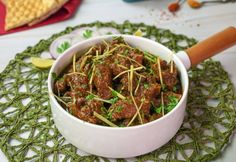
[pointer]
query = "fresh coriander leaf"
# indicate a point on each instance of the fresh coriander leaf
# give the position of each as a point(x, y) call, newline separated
point(126, 52)
point(174, 88)
point(122, 125)
point(59, 50)
point(149, 57)
point(173, 101)
point(104, 110)
point(64, 46)
point(90, 74)
point(159, 109)
point(146, 85)
point(87, 33)
point(110, 112)
point(119, 39)
point(114, 94)
point(151, 72)
point(113, 100)
point(119, 109)
point(90, 97)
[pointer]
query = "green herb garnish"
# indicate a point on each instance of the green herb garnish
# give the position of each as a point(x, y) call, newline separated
point(126, 52)
point(146, 85)
point(87, 33)
point(113, 100)
point(175, 89)
point(117, 94)
point(64, 46)
point(110, 112)
point(119, 109)
point(90, 97)
point(151, 72)
point(173, 101)
point(150, 57)
point(159, 109)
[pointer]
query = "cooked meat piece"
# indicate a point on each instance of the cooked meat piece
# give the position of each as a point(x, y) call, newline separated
point(116, 61)
point(155, 68)
point(146, 104)
point(150, 79)
point(148, 93)
point(95, 105)
point(169, 79)
point(80, 101)
point(83, 64)
point(72, 94)
point(137, 57)
point(78, 83)
point(145, 84)
point(103, 80)
point(164, 65)
point(86, 112)
point(60, 86)
point(156, 102)
point(125, 82)
point(152, 91)
point(72, 107)
point(75, 79)
point(87, 69)
point(123, 110)
point(75, 97)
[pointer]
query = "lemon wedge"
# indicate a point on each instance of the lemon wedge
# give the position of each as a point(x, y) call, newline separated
point(42, 62)
point(138, 33)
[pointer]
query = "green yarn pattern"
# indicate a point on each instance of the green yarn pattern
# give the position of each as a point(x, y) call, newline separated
point(27, 131)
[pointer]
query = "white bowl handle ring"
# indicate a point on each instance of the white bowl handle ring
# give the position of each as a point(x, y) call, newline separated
point(208, 47)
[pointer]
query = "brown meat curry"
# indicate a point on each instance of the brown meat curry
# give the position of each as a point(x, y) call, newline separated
point(116, 84)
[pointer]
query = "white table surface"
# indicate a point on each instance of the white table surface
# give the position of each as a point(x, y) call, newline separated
point(197, 23)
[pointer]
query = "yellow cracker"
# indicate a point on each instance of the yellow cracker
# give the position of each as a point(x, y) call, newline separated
point(21, 12)
point(46, 15)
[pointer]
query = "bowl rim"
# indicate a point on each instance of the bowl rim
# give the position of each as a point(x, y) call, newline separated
point(181, 69)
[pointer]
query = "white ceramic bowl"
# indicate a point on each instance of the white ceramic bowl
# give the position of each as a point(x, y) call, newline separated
point(118, 142)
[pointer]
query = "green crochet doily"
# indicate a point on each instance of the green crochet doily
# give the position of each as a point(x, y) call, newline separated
point(27, 132)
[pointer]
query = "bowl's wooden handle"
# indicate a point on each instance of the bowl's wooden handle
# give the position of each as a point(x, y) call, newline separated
point(211, 46)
